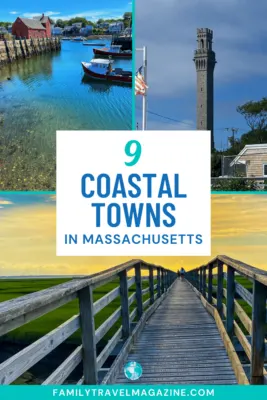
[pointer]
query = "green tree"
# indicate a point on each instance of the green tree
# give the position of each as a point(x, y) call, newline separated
point(60, 23)
point(78, 19)
point(255, 113)
point(127, 19)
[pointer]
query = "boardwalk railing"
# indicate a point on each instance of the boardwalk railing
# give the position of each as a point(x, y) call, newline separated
point(230, 297)
point(17, 312)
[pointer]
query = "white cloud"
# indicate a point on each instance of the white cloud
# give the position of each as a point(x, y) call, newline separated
point(94, 15)
point(47, 13)
point(168, 29)
point(14, 12)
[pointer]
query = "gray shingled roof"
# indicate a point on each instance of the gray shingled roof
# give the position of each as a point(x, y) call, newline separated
point(32, 23)
point(41, 18)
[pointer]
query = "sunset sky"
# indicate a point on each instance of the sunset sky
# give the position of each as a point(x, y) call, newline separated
point(28, 235)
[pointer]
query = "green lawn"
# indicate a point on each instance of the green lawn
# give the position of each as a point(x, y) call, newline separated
point(10, 289)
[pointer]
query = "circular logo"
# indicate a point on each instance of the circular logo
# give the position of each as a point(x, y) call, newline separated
point(133, 370)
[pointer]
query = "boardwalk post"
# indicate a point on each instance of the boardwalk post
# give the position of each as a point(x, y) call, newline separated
point(86, 303)
point(162, 281)
point(197, 279)
point(151, 284)
point(210, 284)
point(220, 288)
point(200, 280)
point(126, 330)
point(258, 332)
point(138, 284)
point(230, 301)
point(204, 282)
point(158, 283)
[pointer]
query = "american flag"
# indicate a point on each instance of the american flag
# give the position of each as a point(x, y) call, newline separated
point(140, 85)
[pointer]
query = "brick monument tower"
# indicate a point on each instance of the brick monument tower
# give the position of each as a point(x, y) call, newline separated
point(205, 61)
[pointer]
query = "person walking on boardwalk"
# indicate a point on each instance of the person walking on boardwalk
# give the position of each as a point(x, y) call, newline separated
point(178, 273)
point(182, 273)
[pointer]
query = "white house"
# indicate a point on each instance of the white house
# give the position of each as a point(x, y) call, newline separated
point(87, 30)
point(56, 31)
point(78, 25)
point(116, 27)
point(254, 158)
point(103, 25)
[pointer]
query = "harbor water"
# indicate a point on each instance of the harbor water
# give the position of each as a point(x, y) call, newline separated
point(49, 92)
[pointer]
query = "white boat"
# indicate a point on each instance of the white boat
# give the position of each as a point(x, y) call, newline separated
point(102, 69)
point(78, 39)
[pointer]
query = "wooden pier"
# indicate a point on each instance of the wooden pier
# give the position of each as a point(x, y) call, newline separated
point(181, 332)
point(181, 344)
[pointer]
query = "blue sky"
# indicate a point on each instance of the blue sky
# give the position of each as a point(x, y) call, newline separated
point(92, 10)
point(168, 29)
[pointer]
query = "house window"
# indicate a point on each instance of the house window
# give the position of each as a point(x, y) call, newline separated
point(264, 169)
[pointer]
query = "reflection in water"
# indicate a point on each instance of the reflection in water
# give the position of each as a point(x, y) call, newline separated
point(46, 93)
point(96, 86)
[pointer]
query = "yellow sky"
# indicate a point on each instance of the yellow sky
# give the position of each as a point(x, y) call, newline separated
point(27, 239)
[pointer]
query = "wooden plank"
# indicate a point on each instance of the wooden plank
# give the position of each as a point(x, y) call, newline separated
point(105, 300)
point(230, 301)
point(86, 304)
point(133, 314)
point(121, 359)
point(22, 361)
point(105, 353)
point(201, 280)
point(132, 298)
point(246, 321)
point(244, 293)
point(151, 285)
point(65, 369)
point(146, 303)
point(80, 381)
point(244, 269)
point(243, 340)
point(204, 282)
point(138, 285)
point(158, 283)
point(11, 309)
point(210, 284)
point(236, 364)
point(171, 347)
point(258, 332)
point(105, 327)
point(146, 290)
point(220, 287)
point(131, 282)
point(32, 315)
point(162, 280)
point(124, 304)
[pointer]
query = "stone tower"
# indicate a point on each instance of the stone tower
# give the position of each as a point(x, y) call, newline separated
point(205, 62)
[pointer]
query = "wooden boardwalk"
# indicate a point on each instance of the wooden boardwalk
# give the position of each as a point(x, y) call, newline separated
point(181, 344)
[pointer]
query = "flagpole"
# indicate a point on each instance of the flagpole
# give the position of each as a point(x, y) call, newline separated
point(144, 124)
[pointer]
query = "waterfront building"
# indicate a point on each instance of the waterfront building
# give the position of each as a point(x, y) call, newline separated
point(87, 30)
point(56, 31)
point(116, 27)
point(37, 27)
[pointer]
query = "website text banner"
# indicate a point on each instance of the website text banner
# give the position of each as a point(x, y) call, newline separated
point(132, 193)
point(133, 392)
